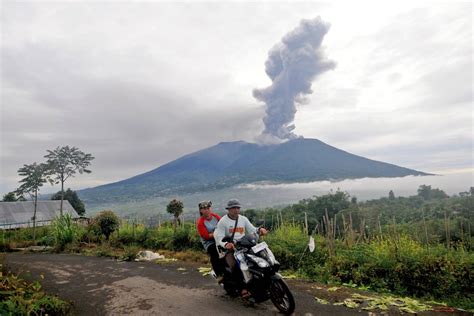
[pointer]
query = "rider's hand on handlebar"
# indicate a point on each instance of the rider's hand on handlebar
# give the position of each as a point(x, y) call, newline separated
point(229, 246)
point(262, 231)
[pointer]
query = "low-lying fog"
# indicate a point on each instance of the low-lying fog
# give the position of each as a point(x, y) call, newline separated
point(266, 195)
point(371, 188)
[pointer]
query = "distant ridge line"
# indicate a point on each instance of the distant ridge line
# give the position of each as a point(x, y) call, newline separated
point(232, 163)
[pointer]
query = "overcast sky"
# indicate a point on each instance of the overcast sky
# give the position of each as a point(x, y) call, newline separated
point(138, 84)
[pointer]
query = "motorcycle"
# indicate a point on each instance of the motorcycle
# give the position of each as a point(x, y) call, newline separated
point(259, 271)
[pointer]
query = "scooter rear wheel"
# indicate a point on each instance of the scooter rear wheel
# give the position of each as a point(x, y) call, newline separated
point(230, 289)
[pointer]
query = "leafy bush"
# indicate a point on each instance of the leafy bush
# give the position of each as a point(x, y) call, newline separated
point(19, 297)
point(288, 243)
point(401, 265)
point(23, 237)
point(64, 230)
point(186, 238)
point(108, 222)
point(160, 238)
point(166, 237)
point(48, 240)
point(90, 234)
point(104, 250)
point(4, 246)
point(130, 253)
point(131, 233)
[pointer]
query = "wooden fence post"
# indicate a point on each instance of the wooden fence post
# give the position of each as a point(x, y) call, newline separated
point(306, 223)
point(329, 232)
point(446, 225)
point(424, 224)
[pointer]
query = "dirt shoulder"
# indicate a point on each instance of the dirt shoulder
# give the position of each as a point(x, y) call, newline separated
point(103, 286)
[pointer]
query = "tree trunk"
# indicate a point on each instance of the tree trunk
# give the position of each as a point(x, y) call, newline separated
point(34, 217)
point(62, 196)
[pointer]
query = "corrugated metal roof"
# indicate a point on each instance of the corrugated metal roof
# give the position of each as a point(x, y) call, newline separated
point(19, 214)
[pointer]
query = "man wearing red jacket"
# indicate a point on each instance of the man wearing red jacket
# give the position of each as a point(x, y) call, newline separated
point(206, 225)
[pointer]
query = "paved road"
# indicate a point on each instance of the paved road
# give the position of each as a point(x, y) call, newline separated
point(102, 286)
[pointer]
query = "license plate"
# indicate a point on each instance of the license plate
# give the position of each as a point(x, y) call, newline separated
point(259, 247)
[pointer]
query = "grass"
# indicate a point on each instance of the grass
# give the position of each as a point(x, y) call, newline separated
point(398, 265)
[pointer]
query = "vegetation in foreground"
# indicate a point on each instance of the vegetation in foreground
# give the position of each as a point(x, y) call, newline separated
point(20, 297)
point(401, 266)
point(422, 250)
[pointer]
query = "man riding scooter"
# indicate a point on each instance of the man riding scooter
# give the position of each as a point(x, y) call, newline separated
point(232, 227)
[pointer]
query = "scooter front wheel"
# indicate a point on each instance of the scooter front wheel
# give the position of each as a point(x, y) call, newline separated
point(281, 297)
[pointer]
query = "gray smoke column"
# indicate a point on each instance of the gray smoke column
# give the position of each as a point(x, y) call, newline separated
point(292, 65)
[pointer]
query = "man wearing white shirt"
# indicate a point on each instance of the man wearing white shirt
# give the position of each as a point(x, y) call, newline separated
point(227, 228)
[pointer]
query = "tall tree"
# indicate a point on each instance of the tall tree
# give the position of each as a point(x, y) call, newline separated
point(72, 197)
point(175, 207)
point(427, 193)
point(35, 175)
point(64, 162)
point(391, 195)
point(9, 197)
point(12, 197)
point(108, 222)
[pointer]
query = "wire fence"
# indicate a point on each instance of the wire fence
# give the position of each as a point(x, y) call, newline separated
point(27, 224)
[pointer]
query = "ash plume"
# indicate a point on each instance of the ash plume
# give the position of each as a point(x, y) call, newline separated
point(292, 65)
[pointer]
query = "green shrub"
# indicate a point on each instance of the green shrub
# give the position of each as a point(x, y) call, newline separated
point(23, 298)
point(108, 222)
point(48, 240)
point(401, 265)
point(160, 238)
point(130, 233)
point(288, 242)
point(4, 246)
point(91, 233)
point(186, 238)
point(130, 253)
point(105, 250)
point(166, 237)
point(23, 237)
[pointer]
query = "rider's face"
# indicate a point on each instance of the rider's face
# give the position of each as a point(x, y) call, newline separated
point(234, 212)
point(206, 212)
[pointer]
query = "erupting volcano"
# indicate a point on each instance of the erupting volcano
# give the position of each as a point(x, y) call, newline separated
point(279, 154)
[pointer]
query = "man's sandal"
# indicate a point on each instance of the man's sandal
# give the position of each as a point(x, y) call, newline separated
point(245, 294)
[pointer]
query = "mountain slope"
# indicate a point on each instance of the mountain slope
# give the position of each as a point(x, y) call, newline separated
point(231, 163)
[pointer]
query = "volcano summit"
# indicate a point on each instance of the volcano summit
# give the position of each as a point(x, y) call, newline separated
point(232, 163)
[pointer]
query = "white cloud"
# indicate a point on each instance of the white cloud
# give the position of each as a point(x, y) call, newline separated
point(138, 84)
point(402, 91)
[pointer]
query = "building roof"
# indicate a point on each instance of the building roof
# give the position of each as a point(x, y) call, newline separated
point(19, 214)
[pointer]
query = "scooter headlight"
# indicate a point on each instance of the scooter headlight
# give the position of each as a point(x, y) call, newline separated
point(262, 263)
point(271, 257)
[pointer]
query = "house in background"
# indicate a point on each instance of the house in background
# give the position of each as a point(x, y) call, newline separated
point(19, 214)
